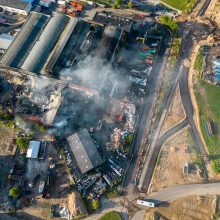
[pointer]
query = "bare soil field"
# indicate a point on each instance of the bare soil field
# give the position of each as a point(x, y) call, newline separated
point(6, 141)
point(189, 208)
point(174, 154)
point(213, 11)
point(175, 113)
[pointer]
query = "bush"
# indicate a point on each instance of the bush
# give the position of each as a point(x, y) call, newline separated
point(118, 3)
point(111, 216)
point(22, 142)
point(95, 205)
point(130, 5)
point(169, 22)
point(14, 192)
point(41, 127)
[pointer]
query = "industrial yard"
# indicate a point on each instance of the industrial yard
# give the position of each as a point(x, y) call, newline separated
point(79, 98)
point(108, 108)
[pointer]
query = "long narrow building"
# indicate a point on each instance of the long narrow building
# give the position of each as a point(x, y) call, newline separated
point(47, 40)
point(24, 41)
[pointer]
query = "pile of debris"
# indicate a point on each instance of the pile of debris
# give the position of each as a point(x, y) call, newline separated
point(116, 138)
point(129, 110)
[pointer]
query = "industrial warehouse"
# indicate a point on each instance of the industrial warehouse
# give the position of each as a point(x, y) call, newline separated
point(59, 44)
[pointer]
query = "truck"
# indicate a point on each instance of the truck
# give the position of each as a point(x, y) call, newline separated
point(41, 187)
point(148, 202)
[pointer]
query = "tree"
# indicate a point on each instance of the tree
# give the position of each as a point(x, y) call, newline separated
point(130, 4)
point(169, 22)
point(118, 3)
point(22, 143)
point(95, 204)
point(14, 192)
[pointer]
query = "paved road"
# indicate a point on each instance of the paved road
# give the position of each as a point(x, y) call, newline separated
point(151, 159)
point(181, 191)
point(204, 8)
point(187, 104)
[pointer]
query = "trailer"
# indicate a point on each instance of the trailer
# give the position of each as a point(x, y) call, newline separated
point(148, 202)
point(41, 187)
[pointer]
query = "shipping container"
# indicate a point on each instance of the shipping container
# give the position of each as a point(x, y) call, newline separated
point(148, 61)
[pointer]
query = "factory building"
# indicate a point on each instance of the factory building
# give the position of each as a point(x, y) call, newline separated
point(22, 7)
point(24, 41)
point(84, 151)
point(45, 43)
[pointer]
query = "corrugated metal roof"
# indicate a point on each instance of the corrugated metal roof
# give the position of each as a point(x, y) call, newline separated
point(41, 50)
point(5, 41)
point(23, 42)
point(18, 4)
point(33, 149)
point(84, 151)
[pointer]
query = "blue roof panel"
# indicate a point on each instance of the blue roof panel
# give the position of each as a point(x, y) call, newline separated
point(29, 1)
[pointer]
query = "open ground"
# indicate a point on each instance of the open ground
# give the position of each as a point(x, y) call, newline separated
point(174, 154)
point(192, 207)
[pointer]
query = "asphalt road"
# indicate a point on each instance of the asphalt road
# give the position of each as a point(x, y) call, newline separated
point(181, 191)
point(187, 104)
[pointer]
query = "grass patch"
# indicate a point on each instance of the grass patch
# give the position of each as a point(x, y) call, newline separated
point(111, 216)
point(199, 63)
point(209, 110)
point(183, 5)
point(159, 158)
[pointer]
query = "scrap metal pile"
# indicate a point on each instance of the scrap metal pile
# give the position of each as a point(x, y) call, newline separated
point(127, 124)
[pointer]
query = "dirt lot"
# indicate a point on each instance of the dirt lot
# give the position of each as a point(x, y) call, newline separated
point(6, 141)
point(192, 207)
point(7, 151)
point(213, 11)
point(175, 113)
point(174, 154)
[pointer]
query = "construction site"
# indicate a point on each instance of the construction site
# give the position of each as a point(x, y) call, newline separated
point(81, 84)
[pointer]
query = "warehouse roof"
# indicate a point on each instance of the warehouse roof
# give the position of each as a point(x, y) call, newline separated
point(5, 41)
point(18, 4)
point(33, 149)
point(47, 40)
point(25, 39)
point(84, 151)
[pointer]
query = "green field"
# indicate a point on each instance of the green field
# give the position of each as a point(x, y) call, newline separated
point(183, 5)
point(111, 216)
point(208, 100)
point(199, 63)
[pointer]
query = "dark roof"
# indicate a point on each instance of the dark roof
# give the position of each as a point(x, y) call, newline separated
point(18, 4)
point(84, 151)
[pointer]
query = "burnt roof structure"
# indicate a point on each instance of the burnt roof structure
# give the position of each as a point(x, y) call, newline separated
point(18, 4)
point(84, 151)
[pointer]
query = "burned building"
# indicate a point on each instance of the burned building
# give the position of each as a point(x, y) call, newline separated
point(84, 151)
point(70, 49)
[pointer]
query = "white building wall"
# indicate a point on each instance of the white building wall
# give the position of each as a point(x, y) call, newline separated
point(14, 10)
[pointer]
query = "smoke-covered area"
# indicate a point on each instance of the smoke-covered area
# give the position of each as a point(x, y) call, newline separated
point(90, 72)
point(77, 111)
point(92, 64)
